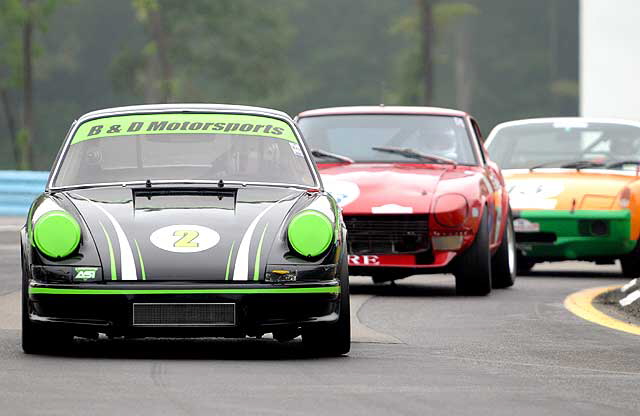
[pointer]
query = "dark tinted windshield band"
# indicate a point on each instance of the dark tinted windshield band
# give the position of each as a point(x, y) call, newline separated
point(147, 124)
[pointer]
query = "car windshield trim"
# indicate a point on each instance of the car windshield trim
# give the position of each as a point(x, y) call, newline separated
point(321, 128)
point(403, 162)
point(588, 144)
point(180, 182)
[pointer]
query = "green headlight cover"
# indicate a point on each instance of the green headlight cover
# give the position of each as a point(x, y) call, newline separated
point(56, 234)
point(310, 233)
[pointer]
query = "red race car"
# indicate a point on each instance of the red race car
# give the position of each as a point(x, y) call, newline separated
point(418, 193)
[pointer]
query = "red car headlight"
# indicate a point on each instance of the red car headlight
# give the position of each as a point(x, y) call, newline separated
point(451, 210)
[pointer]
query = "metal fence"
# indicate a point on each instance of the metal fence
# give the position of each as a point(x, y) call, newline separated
point(18, 189)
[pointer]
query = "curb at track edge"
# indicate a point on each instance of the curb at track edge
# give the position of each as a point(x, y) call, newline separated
point(581, 304)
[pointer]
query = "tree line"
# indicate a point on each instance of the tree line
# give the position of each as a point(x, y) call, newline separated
point(498, 59)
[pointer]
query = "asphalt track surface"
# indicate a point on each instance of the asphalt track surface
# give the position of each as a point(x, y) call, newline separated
point(418, 350)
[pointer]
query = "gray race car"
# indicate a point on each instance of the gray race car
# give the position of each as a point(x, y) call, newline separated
point(184, 221)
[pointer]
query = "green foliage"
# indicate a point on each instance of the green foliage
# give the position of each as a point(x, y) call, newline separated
point(22, 142)
point(516, 68)
point(343, 53)
point(14, 15)
point(222, 51)
point(565, 88)
point(288, 54)
point(144, 7)
point(448, 13)
point(446, 16)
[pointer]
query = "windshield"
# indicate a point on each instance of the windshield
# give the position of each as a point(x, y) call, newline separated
point(184, 147)
point(570, 144)
point(358, 136)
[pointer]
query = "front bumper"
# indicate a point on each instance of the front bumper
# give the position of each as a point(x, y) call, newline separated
point(437, 262)
point(108, 307)
point(575, 235)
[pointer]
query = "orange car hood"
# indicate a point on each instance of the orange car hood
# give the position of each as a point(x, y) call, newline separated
point(566, 189)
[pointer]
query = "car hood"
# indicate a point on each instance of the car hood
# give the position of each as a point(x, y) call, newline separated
point(565, 189)
point(362, 189)
point(184, 234)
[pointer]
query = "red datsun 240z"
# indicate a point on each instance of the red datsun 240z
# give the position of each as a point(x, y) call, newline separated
point(418, 193)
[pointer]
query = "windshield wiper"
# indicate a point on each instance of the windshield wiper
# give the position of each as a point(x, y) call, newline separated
point(415, 154)
point(578, 164)
point(581, 164)
point(324, 153)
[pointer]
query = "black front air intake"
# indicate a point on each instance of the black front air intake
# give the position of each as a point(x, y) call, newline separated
point(387, 234)
point(536, 237)
point(184, 314)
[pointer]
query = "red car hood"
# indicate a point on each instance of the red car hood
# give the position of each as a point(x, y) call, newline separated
point(363, 188)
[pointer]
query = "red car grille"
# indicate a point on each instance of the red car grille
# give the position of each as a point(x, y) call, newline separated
point(387, 234)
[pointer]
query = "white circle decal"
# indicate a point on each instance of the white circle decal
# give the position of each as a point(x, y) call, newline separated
point(534, 194)
point(184, 238)
point(344, 192)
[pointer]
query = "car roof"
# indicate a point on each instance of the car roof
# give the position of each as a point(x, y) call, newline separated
point(383, 109)
point(543, 120)
point(568, 120)
point(151, 108)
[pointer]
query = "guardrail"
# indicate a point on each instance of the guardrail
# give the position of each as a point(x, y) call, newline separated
point(18, 189)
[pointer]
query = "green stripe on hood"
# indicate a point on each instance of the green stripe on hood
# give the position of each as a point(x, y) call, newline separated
point(256, 267)
point(112, 259)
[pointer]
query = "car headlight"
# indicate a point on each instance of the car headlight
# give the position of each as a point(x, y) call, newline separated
point(56, 234)
point(451, 210)
point(310, 233)
point(625, 198)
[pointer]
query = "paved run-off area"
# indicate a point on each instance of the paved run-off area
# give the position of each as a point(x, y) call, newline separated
point(418, 350)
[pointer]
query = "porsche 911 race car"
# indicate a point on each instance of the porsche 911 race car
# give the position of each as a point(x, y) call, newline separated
point(575, 189)
point(418, 193)
point(185, 221)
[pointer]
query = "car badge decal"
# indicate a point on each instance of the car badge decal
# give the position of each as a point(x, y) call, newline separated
point(85, 273)
point(534, 194)
point(297, 151)
point(344, 192)
point(184, 238)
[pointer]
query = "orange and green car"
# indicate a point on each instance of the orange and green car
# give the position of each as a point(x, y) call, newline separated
point(574, 186)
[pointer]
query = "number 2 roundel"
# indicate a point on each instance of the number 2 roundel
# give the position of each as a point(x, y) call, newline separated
point(184, 238)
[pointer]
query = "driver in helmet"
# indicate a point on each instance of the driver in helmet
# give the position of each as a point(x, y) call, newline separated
point(624, 148)
point(439, 142)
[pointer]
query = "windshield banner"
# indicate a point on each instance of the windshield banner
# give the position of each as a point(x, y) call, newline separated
point(144, 124)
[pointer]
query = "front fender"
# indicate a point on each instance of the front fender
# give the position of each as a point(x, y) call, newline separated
point(85, 256)
point(281, 253)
